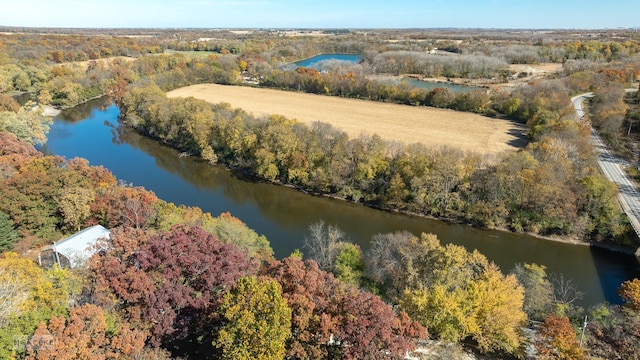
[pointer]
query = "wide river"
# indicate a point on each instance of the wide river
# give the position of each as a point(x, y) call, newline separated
point(282, 214)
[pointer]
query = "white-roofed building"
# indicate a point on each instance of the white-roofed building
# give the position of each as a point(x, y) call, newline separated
point(74, 250)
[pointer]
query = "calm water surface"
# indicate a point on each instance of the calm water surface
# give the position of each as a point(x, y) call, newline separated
point(283, 215)
point(313, 61)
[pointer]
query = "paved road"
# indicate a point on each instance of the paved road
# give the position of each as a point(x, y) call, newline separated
point(612, 167)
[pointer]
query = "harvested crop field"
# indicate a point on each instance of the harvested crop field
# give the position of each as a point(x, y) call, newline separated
point(408, 124)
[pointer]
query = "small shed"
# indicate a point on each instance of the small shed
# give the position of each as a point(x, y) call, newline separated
point(74, 250)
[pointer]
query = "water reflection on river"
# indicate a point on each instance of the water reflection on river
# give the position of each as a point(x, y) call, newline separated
point(283, 214)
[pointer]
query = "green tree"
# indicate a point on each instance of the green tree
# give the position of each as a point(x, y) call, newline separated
point(349, 265)
point(257, 321)
point(8, 234)
point(538, 290)
point(34, 295)
point(230, 229)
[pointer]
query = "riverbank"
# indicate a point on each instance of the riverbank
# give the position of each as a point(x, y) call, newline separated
point(570, 240)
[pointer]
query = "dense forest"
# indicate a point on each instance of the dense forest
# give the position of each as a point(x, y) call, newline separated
point(225, 295)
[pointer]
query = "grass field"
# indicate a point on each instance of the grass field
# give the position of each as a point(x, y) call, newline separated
point(408, 124)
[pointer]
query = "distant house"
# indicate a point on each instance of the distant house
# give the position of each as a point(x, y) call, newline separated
point(75, 250)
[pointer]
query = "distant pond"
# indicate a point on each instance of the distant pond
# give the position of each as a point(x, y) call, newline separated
point(316, 61)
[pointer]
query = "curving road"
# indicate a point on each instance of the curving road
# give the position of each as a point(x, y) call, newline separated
point(612, 167)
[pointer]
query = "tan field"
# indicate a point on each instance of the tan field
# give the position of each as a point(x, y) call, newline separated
point(106, 61)
point(403, 123)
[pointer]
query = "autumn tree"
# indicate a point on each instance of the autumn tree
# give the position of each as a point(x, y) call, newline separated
point(556, 339)
point(257, 321)
point(454, 293)
point(88, 333)
point(630, 292)
point(29, 295)
point(32, 197)
point(116, 205)
point(172, 283)
point(75, 205)
point(8, 103)
point(608, 109)
point(26, 124)
point(319, 302)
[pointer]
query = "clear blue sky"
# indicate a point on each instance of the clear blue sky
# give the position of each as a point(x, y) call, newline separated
point(565, 14)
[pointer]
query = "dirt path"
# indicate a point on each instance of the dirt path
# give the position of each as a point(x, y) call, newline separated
point(408, 124)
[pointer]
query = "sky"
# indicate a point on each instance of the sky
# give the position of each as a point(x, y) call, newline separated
point(500, 14)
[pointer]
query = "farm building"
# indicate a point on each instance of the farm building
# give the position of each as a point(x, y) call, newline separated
point(74, 250)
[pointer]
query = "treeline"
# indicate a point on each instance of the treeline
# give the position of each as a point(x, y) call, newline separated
point(42, 49)
point(549, 188)
point(430, 65)
point(545, 51)
point(357, 85)
point(61, 85)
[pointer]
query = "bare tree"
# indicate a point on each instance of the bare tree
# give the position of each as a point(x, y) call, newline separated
point(323, 243)
point(564, 290)
point(387, 259)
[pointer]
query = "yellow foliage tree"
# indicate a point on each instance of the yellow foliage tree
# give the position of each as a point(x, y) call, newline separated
point(32, 295)
point(258, 321)
point(458, 294)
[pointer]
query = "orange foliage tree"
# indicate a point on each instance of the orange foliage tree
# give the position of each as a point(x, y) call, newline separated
point(88, 334)
point(557, 340)
point(630, 292)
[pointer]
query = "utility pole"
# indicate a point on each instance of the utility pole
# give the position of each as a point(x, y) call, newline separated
point(584, 327)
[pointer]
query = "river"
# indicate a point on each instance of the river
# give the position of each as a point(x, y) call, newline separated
point(282, 214)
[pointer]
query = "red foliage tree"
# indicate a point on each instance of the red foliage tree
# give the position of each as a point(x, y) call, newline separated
point(121, 205)
point(14, 152)
point(174, 282)
point(322, 306)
